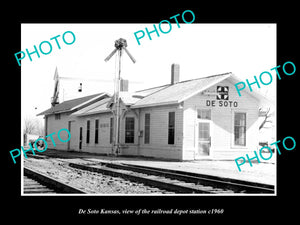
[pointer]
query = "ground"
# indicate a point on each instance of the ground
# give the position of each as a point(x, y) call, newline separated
point(264, 172)
point(89, 182)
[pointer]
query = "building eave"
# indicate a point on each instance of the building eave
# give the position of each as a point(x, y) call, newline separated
point(92, 113)
point(74, 108)
point(204, 88)
point(91, 100)
point(154, 104)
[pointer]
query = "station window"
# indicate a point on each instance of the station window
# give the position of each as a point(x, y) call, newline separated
point(204, 114)
point(129, 130)
point(87, 131)
point(111, 130)
point(240, 129)
point(96, 131)
point(57, 116)
point(147, 128)
point(171, 128)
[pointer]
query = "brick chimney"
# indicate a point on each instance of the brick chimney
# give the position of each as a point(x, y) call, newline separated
point(174, 73)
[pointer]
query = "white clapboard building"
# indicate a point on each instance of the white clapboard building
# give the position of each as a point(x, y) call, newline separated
point(182, 120)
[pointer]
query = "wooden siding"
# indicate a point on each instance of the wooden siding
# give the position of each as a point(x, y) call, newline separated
point(158, 145)
point(103, 146)
point(53, 126)
point(222, 127)
point(222, 123)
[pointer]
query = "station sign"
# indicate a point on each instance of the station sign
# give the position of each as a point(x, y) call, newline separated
point(222, 98)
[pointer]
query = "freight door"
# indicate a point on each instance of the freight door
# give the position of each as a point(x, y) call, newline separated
point(72, 143)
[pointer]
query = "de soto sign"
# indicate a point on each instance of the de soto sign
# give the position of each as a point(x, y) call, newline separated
point(222, 98)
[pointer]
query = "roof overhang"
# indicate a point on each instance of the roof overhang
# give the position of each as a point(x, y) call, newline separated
point(186, 97)
point(90, 113)
point(155, 104)
point(206, 87)
point(75, 107)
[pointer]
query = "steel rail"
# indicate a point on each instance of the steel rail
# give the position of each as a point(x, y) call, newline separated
point(51, 183)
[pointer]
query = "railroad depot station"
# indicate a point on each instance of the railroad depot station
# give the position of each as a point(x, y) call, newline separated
point(182, 120)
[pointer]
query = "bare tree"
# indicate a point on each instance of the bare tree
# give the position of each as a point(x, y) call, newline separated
point(33, 126)
point(40, 128)
point(29, 126)
point(267, 117)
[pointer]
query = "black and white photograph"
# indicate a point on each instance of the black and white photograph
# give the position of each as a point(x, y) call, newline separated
point(156, 113)
point(118, 115)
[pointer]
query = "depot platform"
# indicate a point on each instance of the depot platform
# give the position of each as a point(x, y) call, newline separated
point(264, 172)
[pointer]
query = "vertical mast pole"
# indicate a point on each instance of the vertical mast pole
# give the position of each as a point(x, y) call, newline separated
point(117, 140)
point(120, 44)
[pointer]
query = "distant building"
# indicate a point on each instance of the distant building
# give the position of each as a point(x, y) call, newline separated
point(183, 120)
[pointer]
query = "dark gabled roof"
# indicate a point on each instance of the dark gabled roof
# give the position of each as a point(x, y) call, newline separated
point(70, 104)
point(97, 107)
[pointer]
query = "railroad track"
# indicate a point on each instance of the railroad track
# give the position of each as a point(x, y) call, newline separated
point(37, 183)
point(176, 181)
point(31, 186)
point(238, 186)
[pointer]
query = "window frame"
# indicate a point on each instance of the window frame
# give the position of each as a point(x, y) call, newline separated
point(129, 139)
point(96, 131)
point(57, 116)
point(88, 127)
point(203, 110)
point(239, 126)
point(147, 128)
point(171, 128)
point(111, 130)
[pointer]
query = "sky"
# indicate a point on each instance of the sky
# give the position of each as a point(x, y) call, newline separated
point(201, 50)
